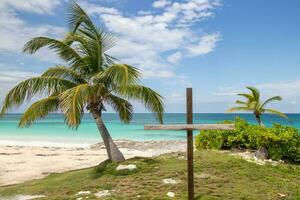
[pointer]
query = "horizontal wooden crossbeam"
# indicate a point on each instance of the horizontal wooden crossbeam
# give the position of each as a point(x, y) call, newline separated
point(189, 127)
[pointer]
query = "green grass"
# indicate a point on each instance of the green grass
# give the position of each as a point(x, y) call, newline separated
point(230, 178)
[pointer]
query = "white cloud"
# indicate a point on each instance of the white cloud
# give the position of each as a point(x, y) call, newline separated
point(15, 32)
point(92, 9)
point(161, 3)
point(15, 76)
point(142, 12)
point(191, 11)
point(286, 89)
point(206, 44)
point(142, 39)
point(34, 6)
point(175, 57)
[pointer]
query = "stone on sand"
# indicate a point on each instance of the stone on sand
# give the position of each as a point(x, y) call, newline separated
point(171, 194)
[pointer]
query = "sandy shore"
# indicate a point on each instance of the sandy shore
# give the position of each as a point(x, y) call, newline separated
point(23, 163)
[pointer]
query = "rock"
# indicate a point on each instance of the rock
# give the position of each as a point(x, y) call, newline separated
point(171, 194)
point(261, 153)
point(128, 167)
point(169, 181)
point(281, 195)
point(83, 192)
point(251, 157)
point(102, 193)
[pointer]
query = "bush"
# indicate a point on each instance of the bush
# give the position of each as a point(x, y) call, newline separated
point(282, 142)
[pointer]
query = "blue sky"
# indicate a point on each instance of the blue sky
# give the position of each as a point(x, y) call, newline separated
point(218, 47)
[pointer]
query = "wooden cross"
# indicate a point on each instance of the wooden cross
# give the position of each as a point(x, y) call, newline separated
point(189, 127)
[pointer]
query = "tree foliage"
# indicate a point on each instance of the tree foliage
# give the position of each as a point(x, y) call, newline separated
point(282, 142)
point(89, 79)
point(254, 104)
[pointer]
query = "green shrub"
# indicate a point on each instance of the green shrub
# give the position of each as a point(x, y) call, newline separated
point(282, 142)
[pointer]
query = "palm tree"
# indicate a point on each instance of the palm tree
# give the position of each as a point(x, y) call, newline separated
point(88, 80)
point(253, 103)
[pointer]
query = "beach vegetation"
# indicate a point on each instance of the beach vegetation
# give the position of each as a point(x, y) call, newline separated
point(88, 80)
point(281, 142)
point(254, 104)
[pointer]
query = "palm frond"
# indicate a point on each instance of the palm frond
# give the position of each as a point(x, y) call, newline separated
point(249, 97)
point(98, 41)
point(240, 102)
point(85, 68)
point(98, 47)
point(72, 103)
point(276, 112)
point(77, 17)
point(64, 73)
point(39, 110)
point(120, 75)
point(81, 43)
point(255, 93)
point(109, 60)
point(121, 106)
point(30, 87)
point(254, 105)
point(107, 41)
point(238, 108)
point(151, 99)
point(275, 98)
point(64, 51)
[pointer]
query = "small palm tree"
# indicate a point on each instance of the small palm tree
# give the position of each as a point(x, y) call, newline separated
point(89, 80)
point(253, 103)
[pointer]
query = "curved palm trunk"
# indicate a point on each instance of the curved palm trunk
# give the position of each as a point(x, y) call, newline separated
point(113, 152)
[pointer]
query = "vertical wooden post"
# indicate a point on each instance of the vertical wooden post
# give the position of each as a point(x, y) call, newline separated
point(190, 145)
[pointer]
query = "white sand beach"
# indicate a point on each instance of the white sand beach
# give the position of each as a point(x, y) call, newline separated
point(23, 163)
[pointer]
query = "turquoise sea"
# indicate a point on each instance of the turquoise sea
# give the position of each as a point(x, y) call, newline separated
point(53, 129)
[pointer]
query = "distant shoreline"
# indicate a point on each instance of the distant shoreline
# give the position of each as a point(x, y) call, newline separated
point(69, 144)
point(43, 143)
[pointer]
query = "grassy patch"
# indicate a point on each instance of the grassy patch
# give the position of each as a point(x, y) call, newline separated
point(226, 177)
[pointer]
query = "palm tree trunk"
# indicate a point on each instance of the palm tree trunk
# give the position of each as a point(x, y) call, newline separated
point(113, 152)
point(258, 119)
